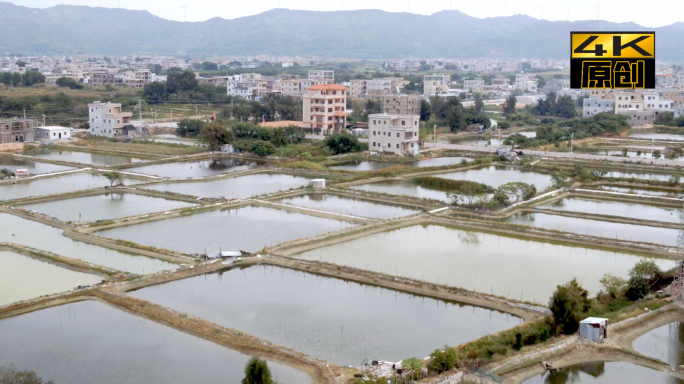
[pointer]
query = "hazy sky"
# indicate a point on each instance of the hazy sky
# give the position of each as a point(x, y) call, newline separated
point(650, 13)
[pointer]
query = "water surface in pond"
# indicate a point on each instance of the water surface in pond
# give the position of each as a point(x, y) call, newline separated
point(633, 175)
point(349, 205)
point(105, 207)
point(336, 320)
point(24, 278)
point(504, 266)
point(89, 342)
point(81, 157)
point(616, 208)
point(496, 176)
point(248, 229)
point(34, 168)
point(236, 187)
point(600, 372)
point(375, 165)
point(174, 139)
point(403, 187)
point(657, 136)
point(643, 233)
point(665, 343)
point(204, 168)
point(30, 233)
point(54, 185)
point(640, 191)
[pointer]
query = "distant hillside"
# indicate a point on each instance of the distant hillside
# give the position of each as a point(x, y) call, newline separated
point(371, 34)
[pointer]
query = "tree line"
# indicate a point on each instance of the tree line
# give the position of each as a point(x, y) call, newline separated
point(26, 79)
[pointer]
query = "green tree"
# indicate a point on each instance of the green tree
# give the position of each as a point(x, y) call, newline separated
point(519, 190)
point(155, 68)
point(559, 179)
point(614, 285)
point(9, 375)
point(263, 148)
point(114, 177)
point(478, 107)
point(637, 288)
point(215, 135)
point(257, 372)
point(569, 304)
point(343, 143)
point(509, 105)
point(674, 181)
point(443, 360)
point(189, 127)
point(414, 364)
point(209, 66)
point(646, 269)
point(155, 92)
point(68, 82)
point(29, 78)
point(181, 82)
point(657, 154)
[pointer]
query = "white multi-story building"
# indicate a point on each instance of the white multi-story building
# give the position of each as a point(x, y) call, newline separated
point(393, 133)
point(433, 85)
point(591, 107)
point(373, 87)
point(526, 82)
point(107, 119)
point(469, 84)
point(325, 75)
point(325, 108)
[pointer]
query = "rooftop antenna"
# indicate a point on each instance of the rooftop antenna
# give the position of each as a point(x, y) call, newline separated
point(185, 11)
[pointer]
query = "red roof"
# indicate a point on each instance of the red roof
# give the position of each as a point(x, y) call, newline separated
point(327, 87)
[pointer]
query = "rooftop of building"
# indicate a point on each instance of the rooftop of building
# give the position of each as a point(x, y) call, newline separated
point(327, 87)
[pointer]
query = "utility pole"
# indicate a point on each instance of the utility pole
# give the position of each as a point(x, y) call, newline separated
point(572, 136)
point(434, 136)
point(139, 109)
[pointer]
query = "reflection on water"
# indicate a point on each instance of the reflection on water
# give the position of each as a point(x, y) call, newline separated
point(643, 233)
point(55, 185)
point(23, 278)
point(599, 372)
point(30, 233)
point(665, 343)
point(403, 187)
point(616, 208)
point(632, 175)
point(90, 342)
point(203, 168)
point(496, 176)
point(349, 205)
point(248, 229)
point(336, 320)
point(375, 165)
point(105, 207)
point(237, 187)
point(478, 261)
point(34, 168)
point(81, 157)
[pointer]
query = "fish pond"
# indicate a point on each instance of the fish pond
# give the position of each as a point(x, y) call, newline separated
point(54, 185)
point(403, 188)
point(249, 229)
point(349, 206)
point(657, 136)
point(505, 266)
point(204, 168)
point(91, 342)
point(14, 229)
point(601, 372)
point(105, 207)
point(631, 232)
point(235, 187)
point(616, 208)
point(81, 157)
point(375, 165)
point(496, 176)
point(336, 320)
point(24, 278)
point(34, 167)
point(665, 343)
point(640, 191)
point(642, 176)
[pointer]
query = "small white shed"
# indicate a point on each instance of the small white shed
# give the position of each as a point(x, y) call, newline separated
point(594, 328)
point(317, 183)
point(51, 133)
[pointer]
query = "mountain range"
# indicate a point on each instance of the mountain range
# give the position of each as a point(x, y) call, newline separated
point(360, 34)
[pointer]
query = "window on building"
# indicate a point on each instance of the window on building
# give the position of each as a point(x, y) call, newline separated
point(397, 146)
point(403, 122)
point(397, 134)
point(389, 145)
point(374, 143)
